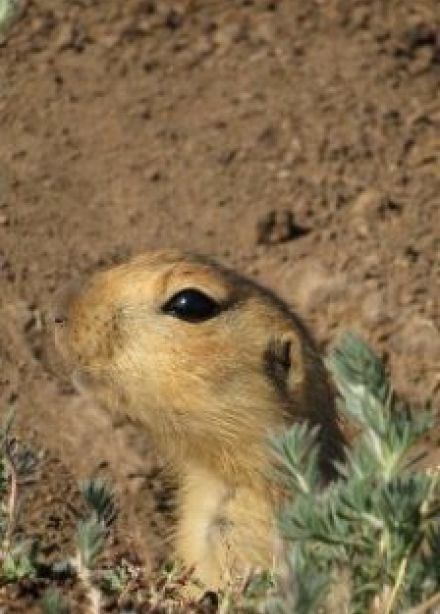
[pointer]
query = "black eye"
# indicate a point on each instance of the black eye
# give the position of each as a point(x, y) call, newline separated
point(191, 305)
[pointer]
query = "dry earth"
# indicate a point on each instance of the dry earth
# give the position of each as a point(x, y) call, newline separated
point(297, 141)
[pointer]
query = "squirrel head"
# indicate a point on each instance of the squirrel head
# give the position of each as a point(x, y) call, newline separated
point(189, 348)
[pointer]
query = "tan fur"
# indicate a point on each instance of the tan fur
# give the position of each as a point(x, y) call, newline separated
point(209, 393)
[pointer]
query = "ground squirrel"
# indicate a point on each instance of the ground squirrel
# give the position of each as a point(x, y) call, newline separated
point(211, 364)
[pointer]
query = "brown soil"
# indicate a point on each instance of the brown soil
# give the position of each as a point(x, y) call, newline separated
point(297, 141)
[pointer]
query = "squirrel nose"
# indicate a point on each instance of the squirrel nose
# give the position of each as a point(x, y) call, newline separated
point(62, 302)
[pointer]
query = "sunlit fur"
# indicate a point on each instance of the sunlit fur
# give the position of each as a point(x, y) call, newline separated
point(209, 393)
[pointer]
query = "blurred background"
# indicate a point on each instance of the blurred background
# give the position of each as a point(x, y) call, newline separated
point(296, 141)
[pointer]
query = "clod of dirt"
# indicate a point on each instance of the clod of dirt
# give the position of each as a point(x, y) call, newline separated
point(71, 36)
point(318, 287)
point(310, 285)
point(368, 202)
point(228, 34)
point(419, 337)
point(374, 309)
point(174, 19)
point(423, 35)
point(367, 207)
point(423, 59)
point(278, 226)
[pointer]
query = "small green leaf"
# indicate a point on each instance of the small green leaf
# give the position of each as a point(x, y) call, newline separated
point(90, 537)
point(53, 602)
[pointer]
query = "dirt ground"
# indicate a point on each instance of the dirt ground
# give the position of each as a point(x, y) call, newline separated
point(296, 141)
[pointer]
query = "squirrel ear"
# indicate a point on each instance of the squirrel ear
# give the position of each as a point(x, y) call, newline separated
point(290, 364)
point(284, 361)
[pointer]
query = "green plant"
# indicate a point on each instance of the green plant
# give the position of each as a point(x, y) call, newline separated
point(53, 603)
point(369, 541)
point(9, 10)
point(91, 534)
point(18, 557)
point(116, 579)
